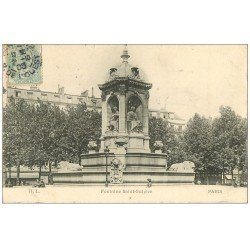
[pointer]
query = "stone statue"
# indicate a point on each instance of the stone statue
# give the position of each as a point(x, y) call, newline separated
point(186, 166)
point(132, 120)
point(135, 73)
point(112, 73)
point(114, 120)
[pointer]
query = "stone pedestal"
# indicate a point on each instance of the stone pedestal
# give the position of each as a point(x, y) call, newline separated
point(120, 154)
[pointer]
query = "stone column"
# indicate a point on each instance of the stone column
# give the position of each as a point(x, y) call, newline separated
point(145, 114)
point(145, 122)
point(122, 110)
point(104, 114)
point(104, 120)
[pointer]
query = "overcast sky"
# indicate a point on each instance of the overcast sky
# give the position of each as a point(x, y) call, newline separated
point(186, 79)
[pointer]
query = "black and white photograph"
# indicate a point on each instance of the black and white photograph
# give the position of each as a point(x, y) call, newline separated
point(124, 123)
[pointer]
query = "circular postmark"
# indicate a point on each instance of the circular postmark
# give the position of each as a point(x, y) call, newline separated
point(24, 64)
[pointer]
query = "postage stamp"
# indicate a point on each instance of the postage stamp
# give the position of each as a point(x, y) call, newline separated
point(23, 64)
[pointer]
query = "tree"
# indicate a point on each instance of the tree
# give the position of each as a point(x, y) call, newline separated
point(230, 141)
point(47, 129)
point(198, 144)
point(83, 125)
point(217, 145)
point(27, 133)
point(176, 151)
point(40, 133)
point(159, 130)
point(15, 134)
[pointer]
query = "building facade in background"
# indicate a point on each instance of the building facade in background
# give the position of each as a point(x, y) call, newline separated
point(63, 99)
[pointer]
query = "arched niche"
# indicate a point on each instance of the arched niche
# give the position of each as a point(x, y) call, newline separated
point(134, 113)
point(113, 113)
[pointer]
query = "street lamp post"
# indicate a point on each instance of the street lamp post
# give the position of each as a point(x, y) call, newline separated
point(106, 150)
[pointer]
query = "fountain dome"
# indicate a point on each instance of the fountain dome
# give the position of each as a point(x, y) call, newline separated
point(126, 70)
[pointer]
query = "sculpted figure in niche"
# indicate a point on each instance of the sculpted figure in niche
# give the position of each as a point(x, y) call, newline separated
point(133, 123)
point(114, 120)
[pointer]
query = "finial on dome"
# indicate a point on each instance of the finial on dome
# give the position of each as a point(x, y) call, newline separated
point(125, 56)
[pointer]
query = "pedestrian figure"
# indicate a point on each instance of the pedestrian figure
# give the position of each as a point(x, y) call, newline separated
point(149, 184)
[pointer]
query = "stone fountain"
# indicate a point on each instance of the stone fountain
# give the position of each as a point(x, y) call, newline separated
point(125, 138)
point(125, 98)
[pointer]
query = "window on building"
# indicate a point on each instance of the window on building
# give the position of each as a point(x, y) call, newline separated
point(17, 93)
point(69, 100)
point(179, 128)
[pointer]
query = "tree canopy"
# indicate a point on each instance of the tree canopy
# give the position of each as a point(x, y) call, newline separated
point(217, 145)
point(34, 134)
point(159, 130)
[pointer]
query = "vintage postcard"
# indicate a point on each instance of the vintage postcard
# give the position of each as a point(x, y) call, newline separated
point(124, 123)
